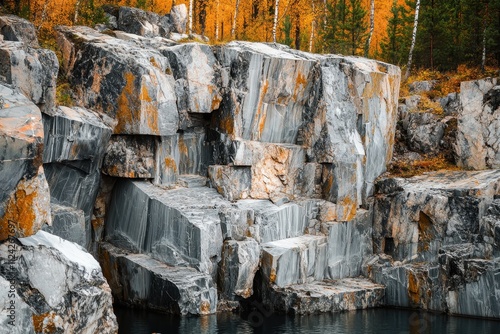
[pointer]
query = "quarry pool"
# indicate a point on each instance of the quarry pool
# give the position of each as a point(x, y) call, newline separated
point(381, 320)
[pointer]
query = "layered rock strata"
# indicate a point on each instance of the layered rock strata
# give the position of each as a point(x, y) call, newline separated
point(437, 243)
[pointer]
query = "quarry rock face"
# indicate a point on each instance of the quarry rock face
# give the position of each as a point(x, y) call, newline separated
point(33, 71)
point(58, 286)
point(436, 239)
point(24, 195)
point(204, 177)
point(143, 23)
point(16, 29)
point(127, 83)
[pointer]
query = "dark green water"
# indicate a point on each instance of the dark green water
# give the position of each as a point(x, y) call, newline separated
point(383, 320)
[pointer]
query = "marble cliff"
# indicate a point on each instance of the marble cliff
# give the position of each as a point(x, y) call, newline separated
point(204, 178)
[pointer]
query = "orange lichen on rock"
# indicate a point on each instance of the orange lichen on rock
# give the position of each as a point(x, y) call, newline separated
point(149, 110)
point(127, 105)
point(170, 164)
point(27, 209)
point(300, 84)
point(44, 323)
point(19, 214)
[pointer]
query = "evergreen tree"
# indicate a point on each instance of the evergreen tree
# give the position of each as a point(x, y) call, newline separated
point(287, 30)
point(395, 45)
point(346, 27)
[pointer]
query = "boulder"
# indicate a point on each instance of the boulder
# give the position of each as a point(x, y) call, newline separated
point(14, 28)
point(325, 296)
point(57, 287)
point(126, 82)
point(75, 136)
point(450, 103)
point(141, 281)
point(240, 261)
point(24, 193)
point(349, 244)
point(69, 224)
point(130, 157)
point(477, 146)
point(32, 70)
point(415, 217)
point(263, 84)
point(353, 127)
point(179, 18)
point(424, 132)
point(197, 79)
point(143, 23)
point(418, 87)
point(294, 261)
point(147, 219)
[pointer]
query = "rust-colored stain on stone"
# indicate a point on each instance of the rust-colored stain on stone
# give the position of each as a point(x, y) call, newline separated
point(126, 105)
point(260, 115)
point(151, 110)
point(300, 84)
point(216, 100)
point(348, 209)
point(425, 232)
point(205, 307)
point(413, 288)
point(170, 164)
point(134, 104)
point(19, 212)
point(44, 323)
point(272, 276)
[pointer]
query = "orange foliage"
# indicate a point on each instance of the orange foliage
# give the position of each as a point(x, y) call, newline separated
point(254, 21)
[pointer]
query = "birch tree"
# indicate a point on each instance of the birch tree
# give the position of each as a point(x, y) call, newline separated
point(413, 40)
point(77, 9)
point(275, 24)
point(217, 4)
point(235, 17)
point(190, 17)
point(372, 27)
point(313, 24)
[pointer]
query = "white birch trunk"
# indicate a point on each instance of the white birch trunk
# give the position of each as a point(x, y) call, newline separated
point(313, 24)
point(483, 58)
point(77, 9)
point(311, 38)
point(233, 28)
point(413, 40)
point(190, 17)
point(275, 25)
point(372, 27)
point(217, 20)
point(325, 14)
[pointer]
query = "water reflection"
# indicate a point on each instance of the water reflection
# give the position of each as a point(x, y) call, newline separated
point(387, 321)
